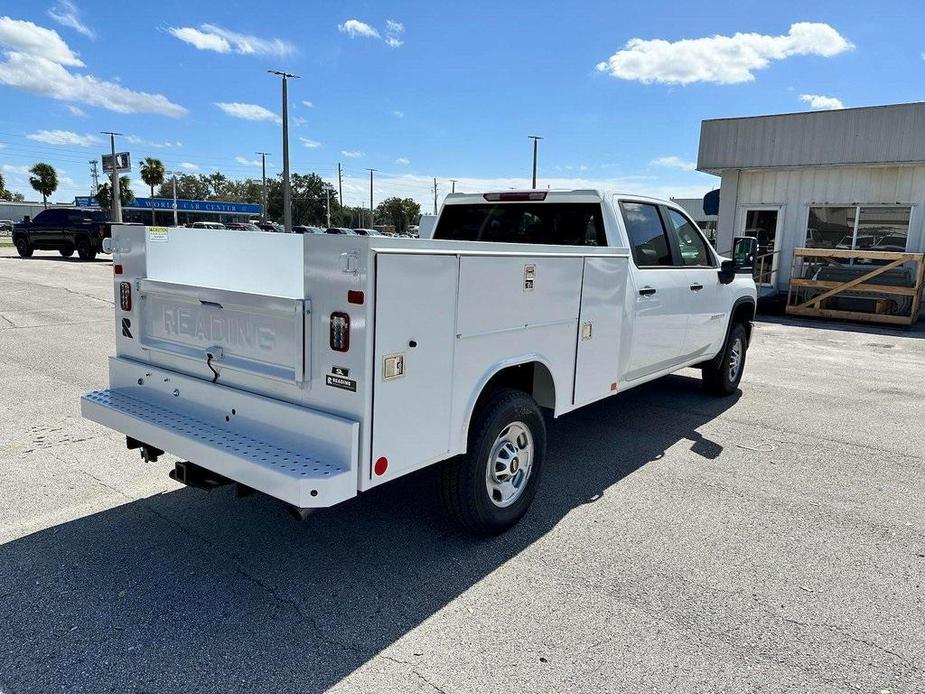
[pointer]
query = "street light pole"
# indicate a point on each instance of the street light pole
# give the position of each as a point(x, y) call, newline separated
point(454, 182)
point(173, 178)
point(116, 206)
point(328, 191)
point(371, 219)
point(263, 164)
point(287, 202)
point(536, 139)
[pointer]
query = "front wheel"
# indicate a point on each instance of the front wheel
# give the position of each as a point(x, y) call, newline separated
point(722, 377)
point(489, 488)
point(23, 248)
point(66, 252)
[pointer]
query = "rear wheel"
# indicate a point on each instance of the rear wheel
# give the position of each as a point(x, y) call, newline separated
point(489, 488)
point(66, 252)
point(722, 377)
point(23, 248)
point(84, 250)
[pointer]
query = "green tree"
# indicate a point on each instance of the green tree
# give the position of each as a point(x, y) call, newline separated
point(400, 212)
point(44, 180)
point(152, 173)
point(309, 195)
point(104, 194)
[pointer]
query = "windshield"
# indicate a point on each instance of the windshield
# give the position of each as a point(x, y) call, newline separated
point(565, 223)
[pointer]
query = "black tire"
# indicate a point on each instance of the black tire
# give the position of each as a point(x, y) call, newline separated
point(84, 250)
point(720, 378)
point(23, 248)
point(464, 480)
point(66, 252)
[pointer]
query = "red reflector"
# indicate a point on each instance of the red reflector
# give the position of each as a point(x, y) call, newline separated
point(340, 332)
point(117, 269)
point(125, 296)
point(517, 196)
point(355, 296)
point(382, 464)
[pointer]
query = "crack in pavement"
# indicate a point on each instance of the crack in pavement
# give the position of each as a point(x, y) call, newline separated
point(414, 671)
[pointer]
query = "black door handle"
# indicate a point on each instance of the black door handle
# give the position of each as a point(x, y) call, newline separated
point(647, 291)
point(696, 287)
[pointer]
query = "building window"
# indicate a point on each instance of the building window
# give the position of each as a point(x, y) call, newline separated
point(870, 228)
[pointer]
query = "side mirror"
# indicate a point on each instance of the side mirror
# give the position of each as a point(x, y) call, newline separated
point(744, 250)
point(107, 245)
point(727, 271)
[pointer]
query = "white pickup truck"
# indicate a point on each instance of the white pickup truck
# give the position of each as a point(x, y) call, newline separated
point(314, 367)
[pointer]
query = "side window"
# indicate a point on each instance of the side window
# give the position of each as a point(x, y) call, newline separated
point(690, 243)
point(646, 234)
point(45, 217)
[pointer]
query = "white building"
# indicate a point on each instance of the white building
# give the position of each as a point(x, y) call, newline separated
point(852, 178)
point(694, 209)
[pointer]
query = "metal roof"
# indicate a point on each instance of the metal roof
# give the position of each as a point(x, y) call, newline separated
point(893, 134)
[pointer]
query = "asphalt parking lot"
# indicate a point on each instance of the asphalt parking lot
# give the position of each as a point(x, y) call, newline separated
point(772, 541)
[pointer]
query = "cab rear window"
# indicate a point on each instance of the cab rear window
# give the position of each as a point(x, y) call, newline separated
point(566, 223)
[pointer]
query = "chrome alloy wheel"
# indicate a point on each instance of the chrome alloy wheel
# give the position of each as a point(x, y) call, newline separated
point(735, 359)
point(509, 465)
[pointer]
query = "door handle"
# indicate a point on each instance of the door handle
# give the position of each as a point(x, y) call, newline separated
point(647, 291)
point(696, 287)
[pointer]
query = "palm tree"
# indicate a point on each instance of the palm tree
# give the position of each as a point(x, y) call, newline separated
point(44, 180)
point(152, 173)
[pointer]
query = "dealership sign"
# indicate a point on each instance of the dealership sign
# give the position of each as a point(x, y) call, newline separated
point(205, 206)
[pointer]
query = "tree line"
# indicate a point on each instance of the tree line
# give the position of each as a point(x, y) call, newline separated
point(309, 195)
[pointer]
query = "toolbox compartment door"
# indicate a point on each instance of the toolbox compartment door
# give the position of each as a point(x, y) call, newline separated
point(413, 365)
point(252, 333)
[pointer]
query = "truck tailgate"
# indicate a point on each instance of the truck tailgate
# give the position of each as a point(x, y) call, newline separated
point(254, 333)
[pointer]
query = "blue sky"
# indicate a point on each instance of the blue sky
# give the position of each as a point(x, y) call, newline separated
point(430, 89)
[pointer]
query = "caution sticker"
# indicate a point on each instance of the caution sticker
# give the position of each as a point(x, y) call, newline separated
point(159, 234)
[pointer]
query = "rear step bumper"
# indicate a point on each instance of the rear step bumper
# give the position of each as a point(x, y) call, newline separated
point(301, 456)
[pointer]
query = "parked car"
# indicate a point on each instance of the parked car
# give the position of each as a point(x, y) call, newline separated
point(367, 232)
point(270, 226)
point(242, 226)
point(302, 229)
point(207, 225)
point(523, 302)
point(6, 225)
point(65, 230)
point(339, 230)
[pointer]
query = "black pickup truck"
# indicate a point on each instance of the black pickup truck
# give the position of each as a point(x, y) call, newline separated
point(64, 230)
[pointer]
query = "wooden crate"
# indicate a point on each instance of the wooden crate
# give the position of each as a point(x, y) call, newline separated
point(817, 306)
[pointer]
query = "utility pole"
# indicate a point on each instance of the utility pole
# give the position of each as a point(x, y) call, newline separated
point(340, 185)
point(94, 175)
point(536, 139)
point(454, 182)
point(435, 196)
point(328, 191)
point(173, 178)
point(371, 220)
point(287, 202)
point(263, 164)
point(116, 206)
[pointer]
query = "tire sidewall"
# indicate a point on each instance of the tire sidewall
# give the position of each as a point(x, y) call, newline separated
point(738, 331)
point(84, 250)
point(504, 412)
point(23, 247)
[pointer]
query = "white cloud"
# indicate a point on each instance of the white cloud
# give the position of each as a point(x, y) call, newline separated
point(200, 39)
point(354, 28)
point(26, 38)
point(188, 166)
point(247, 162)
point(671, 162)
point(817, 102)
point(719, 59)
point(76, 111)
point(298, 121)
point(308, 104)
point(63, 137)
point(166, 144)
point(311, 144)
point(403, 161)
point(248, 111)
point(351, 153)
point(67, 14)
point(15, 170)
point(393, 32)
point(37, 60)
point(211, 37)
point(398, 114)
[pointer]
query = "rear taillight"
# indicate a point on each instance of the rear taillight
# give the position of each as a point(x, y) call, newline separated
point(518, 196)
point(340, 332)
point(125, 296)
